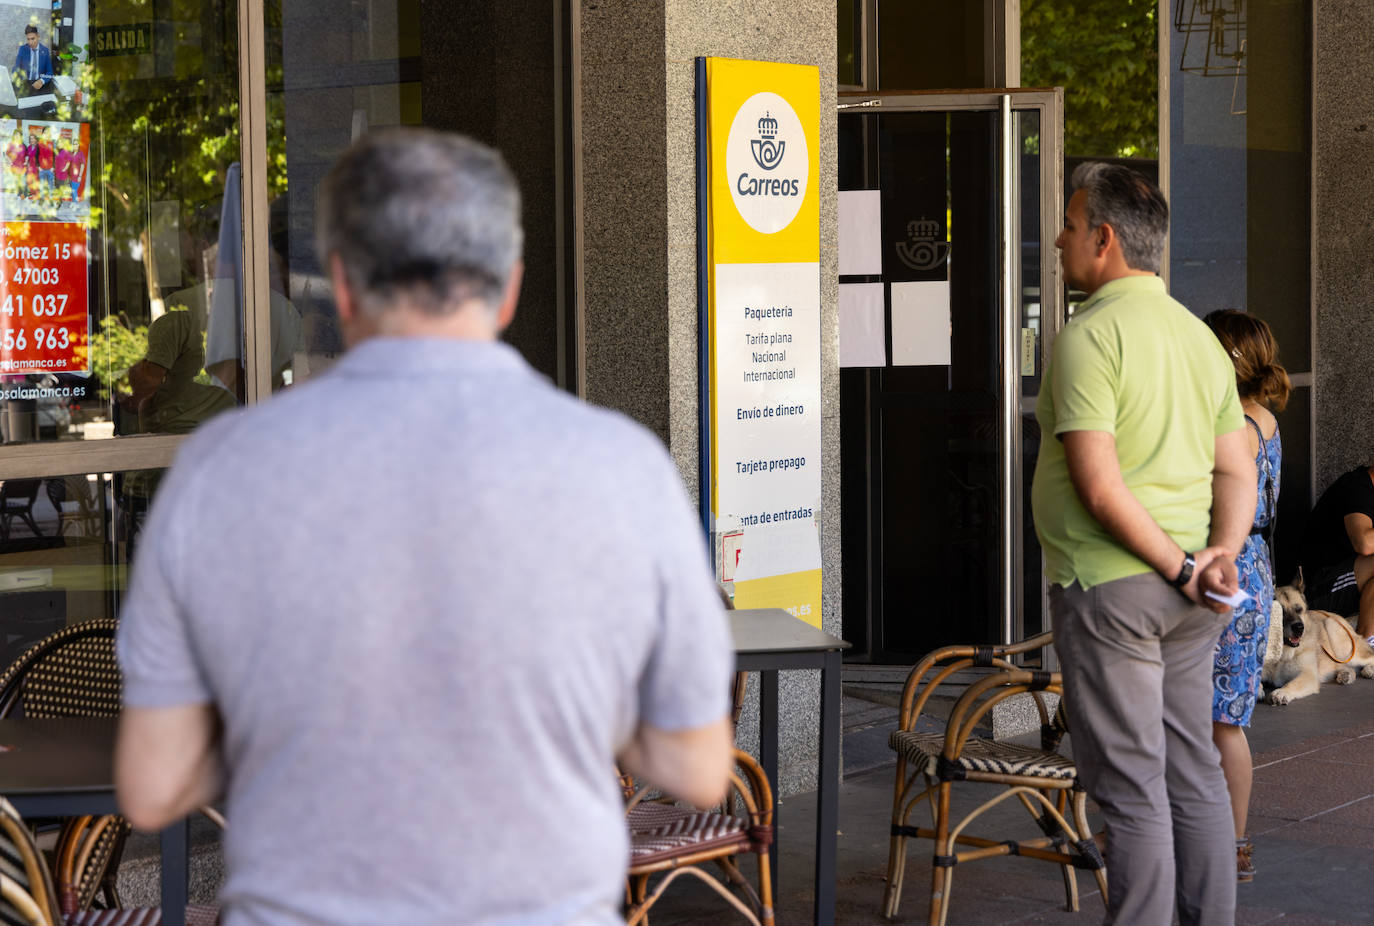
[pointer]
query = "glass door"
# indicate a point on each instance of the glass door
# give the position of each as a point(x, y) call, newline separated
point(950, 203)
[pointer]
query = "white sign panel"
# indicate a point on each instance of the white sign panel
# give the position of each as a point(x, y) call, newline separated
point(768, 373)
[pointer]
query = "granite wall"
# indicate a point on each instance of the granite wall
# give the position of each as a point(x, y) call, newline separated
point(639, 249)
point(1343, 235)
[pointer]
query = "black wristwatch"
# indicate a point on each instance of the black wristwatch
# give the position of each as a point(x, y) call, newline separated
point(1185, 572)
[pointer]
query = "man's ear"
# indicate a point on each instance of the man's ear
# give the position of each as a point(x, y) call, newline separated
point(1105, 236)
point(354, 325)
point(506, 313)
point(344, 301)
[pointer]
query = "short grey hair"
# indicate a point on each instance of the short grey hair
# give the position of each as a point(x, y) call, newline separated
point(1131, 204)
point(429, 217)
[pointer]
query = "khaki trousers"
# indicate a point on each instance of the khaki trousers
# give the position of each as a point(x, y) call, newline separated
point(1136, 658)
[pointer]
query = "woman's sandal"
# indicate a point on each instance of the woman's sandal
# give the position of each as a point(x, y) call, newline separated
point(1245, 868)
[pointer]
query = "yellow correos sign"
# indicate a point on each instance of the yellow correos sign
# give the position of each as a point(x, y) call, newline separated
point(763, 293)
point(747, 100)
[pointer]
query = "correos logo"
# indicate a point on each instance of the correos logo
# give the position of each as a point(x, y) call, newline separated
point(767, 162)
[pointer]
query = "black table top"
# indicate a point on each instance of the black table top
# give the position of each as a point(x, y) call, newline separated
point(57, 756)
point(773, 630)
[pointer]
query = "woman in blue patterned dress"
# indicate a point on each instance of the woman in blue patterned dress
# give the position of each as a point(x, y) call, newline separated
point(1262, 384)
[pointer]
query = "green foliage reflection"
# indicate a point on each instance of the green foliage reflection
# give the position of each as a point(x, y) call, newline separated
point(1105, 54)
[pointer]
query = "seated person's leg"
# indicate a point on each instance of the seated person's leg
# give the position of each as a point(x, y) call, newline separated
point(1334, 588)
point(1364, 571)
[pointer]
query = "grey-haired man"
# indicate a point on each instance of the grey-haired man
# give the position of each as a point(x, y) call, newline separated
point(1144, 460)
point(407, 614)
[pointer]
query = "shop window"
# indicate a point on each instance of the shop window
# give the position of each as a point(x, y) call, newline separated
point(332, 75)
point(1240, 193)
point(66, 544)
point(120, 293)
point(138, 299)
point(1104, 53)
point(849, 43)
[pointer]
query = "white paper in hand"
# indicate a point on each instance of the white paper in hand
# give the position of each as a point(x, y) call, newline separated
point(1235, 601)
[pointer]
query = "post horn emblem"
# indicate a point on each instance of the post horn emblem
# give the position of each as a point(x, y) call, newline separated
point(924, 249)
point(767, 150)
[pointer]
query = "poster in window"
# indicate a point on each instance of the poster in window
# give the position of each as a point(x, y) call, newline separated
point(45, 197)
point(44, 326)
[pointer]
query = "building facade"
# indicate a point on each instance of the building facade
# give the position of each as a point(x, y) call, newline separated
point(195, 133)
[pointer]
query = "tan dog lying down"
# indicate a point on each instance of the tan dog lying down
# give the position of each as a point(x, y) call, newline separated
point(1316, 647)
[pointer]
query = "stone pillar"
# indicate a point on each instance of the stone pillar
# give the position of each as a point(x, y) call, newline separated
point(1343, 236)
point(638, 143)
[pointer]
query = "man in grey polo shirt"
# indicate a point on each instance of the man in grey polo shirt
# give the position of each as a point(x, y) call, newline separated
point(405, 616)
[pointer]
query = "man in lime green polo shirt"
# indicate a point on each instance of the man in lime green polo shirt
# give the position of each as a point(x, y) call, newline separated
point(1144, 492)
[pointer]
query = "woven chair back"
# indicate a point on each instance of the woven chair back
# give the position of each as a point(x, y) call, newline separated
point(87, 854)
point(71, 673)
point(27, 895)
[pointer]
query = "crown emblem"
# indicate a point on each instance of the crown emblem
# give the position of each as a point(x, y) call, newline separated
point(924, 248)
point(767, 148)
point(926, 229)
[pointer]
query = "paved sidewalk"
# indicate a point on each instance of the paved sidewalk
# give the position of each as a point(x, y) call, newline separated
point(1312, 821)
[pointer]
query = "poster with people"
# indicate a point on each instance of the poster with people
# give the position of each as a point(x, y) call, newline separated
point(45, 170)
point(45, 200)
point(44, 211)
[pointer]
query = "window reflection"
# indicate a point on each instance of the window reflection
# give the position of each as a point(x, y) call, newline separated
point(65, 547)
point(120, 284)
point(332, 76)
point(328, 81)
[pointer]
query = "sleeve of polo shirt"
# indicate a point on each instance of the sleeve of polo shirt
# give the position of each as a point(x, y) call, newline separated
point(1231, 417)
point(155, 649)
point(686, 683)
point(1084, 387)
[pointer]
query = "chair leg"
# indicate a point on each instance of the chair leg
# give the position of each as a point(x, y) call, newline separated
point(637, 888)
point(763, 899)
point(1080, 821)
point(1070, 887)
point(1066, 869)
point(939, 874)
point(948, 878)
point(896, 848)
point(730, 866)
point(33, 525)
point(765, 889)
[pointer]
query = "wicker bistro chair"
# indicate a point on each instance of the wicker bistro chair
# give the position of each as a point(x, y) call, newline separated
point(27, 897)
point(70, 673)
point(931, 764)
point(81, 865)
point(74, 673)
point(671, 838)
point(26, 892)
point(17, 497)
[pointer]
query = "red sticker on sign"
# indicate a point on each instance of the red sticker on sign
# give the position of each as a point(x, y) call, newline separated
point(43, 291)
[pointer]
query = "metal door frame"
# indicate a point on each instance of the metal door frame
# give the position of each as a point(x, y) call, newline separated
point(1049, 104)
